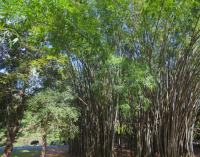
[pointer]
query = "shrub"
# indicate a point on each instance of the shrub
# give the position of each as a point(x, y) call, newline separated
point(34, 142)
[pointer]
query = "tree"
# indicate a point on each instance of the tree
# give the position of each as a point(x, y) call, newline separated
point(14, 79)
point(52, 111)
point(133, 58)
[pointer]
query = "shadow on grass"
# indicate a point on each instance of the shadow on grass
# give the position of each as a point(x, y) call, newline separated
point(23, 153)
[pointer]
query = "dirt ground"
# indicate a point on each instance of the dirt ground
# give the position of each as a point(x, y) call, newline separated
point(62, 152)
point(197, 151)
point(56, 152)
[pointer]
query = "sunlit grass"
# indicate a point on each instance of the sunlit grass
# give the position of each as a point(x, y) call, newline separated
point(24, 153)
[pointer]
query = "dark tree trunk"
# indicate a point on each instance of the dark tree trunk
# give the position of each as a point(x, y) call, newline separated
point(11, 132)
point(8, 149)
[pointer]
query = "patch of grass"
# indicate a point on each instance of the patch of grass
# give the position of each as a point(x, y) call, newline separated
point(23, 153)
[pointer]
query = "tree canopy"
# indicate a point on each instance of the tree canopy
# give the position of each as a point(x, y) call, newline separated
point(126, 62)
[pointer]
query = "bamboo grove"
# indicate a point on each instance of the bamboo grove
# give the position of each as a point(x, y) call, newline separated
point(129, 63)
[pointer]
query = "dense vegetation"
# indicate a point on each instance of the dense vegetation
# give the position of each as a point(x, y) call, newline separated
point(102, 70)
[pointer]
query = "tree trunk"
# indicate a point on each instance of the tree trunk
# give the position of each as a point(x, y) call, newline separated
point(44, 145)
point(8, 150)
point(119, 148)
point(11, 132)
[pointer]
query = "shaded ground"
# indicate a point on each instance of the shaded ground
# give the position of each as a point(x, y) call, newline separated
point(197, 151)
point(24, 153)
point(57, 152)
point(62, 152)
point(127, 152)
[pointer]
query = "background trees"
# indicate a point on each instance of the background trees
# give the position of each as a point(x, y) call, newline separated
point(52, 112)
point(132, 61)
point(14, 78)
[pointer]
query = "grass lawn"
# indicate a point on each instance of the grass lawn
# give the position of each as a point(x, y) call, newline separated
point(23, 153)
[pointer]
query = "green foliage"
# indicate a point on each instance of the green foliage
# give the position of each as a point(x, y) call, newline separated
point(128, 77)
point(115, 53)
point(51, 112)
